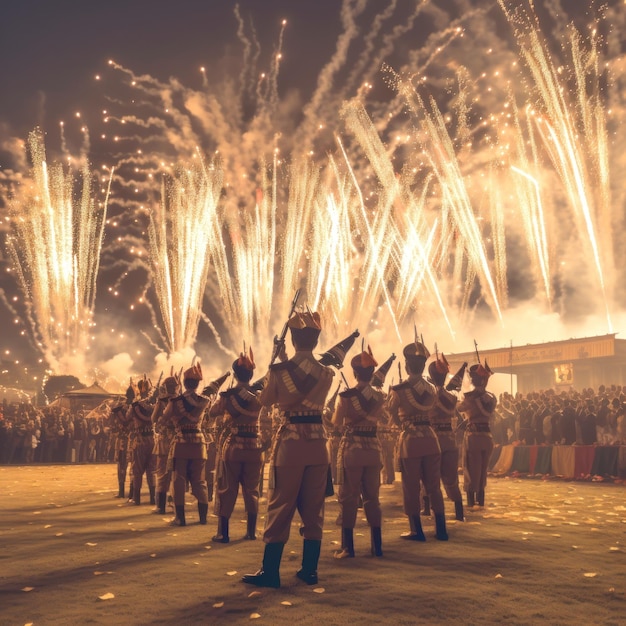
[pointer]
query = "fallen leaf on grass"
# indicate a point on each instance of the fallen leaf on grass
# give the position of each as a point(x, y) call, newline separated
point(218, 605)
point(48, 526)
point(286, 603)
point(91, 544)
point(59, 535)
point(555, 535)
point(106, 596)
point(253, 594)
point(231, 573)
point(255, 615)
point(98, 573)
point(27, 588)
point(613, 549)
point(590, 574)
point(319, 590)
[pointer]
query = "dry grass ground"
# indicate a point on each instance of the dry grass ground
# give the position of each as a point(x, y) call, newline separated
point(539, 553)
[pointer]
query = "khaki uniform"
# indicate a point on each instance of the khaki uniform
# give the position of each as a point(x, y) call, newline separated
point(188, 453)
point(120, 431)
point(299, 462)
point(164, 432)
point(478, 406)
point(143, 461)
point(240, 454)
point(441, 418)
point(409, 404)
point(358, 411)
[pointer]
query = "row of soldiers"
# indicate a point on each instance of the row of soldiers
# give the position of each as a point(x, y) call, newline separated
point(170, 441)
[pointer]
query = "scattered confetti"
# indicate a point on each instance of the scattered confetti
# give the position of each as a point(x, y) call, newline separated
point(91, 544)
point(207, 547)
point(218, 605)
point(555, 535)
point(48, 526)
point(27, 588)
point(253, 594)
point(613, 549)
point(590, 574)
point(106, 596)
point(231, 573)
point(286, 603)
point(152, 556)
point(498, 575)
point(255, 615)
point(319, 590)
point(59, 535)
point(98, 573)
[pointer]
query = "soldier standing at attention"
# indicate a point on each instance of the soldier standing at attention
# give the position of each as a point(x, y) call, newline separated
point(441, 419)
point(358, 412)
point(478, 406)
point(120, 432)
point(386, 434)
point(163, 437)
point(140, 413)
point(299, 466)
point(241, 454)
point(188, 453)
point(409, 404)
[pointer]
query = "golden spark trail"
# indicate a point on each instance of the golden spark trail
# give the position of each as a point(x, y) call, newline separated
point(55, 242)
point(180, 233)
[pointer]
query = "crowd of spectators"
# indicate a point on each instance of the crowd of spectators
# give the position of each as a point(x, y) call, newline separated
point(51, 434)
point(570, 417)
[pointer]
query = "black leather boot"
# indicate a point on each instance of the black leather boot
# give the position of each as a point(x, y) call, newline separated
point(377, 541)
point(440, 525)
point(137, 497)
point(416, 534)
point(179, 520)
point(251, 529)
point(470, 499)
point(160, 503)
point(310, 558)
point(458, 511)
point(268, 575)
point(222, 531)
point(152, 492)
point(480, 497)
point(347, 544)
point(120, 493)
point(131, 489)
point(203, 509)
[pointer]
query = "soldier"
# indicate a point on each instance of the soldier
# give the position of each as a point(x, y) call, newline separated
point(140, 412)
point(164, 431)
point(299, 467)
point(240, 453)
point(120, 429)
point(410, 404)
point(387, 434)
point(358, 412)
point(188, 452)
point(441, 418)
point(478, 406)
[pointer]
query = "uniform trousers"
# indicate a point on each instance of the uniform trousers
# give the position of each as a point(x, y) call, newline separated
point(361, 476)
point(240, 467)
point(143, 463)
point(478, 449)
point(188, 467)
point(428, 470)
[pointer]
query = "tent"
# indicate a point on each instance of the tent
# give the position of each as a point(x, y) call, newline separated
point(85, 399)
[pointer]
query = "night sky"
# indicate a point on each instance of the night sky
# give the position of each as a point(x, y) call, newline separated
point(52, 51)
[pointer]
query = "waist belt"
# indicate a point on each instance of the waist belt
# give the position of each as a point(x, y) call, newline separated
point(190, 431)
point(443, 427)
point(304, 419)
point(364, 433)
point(479, 428)
point(247, 434)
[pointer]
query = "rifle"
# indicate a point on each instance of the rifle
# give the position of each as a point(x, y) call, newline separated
point(279, 341)
point(456, 381)
point(399, 371)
